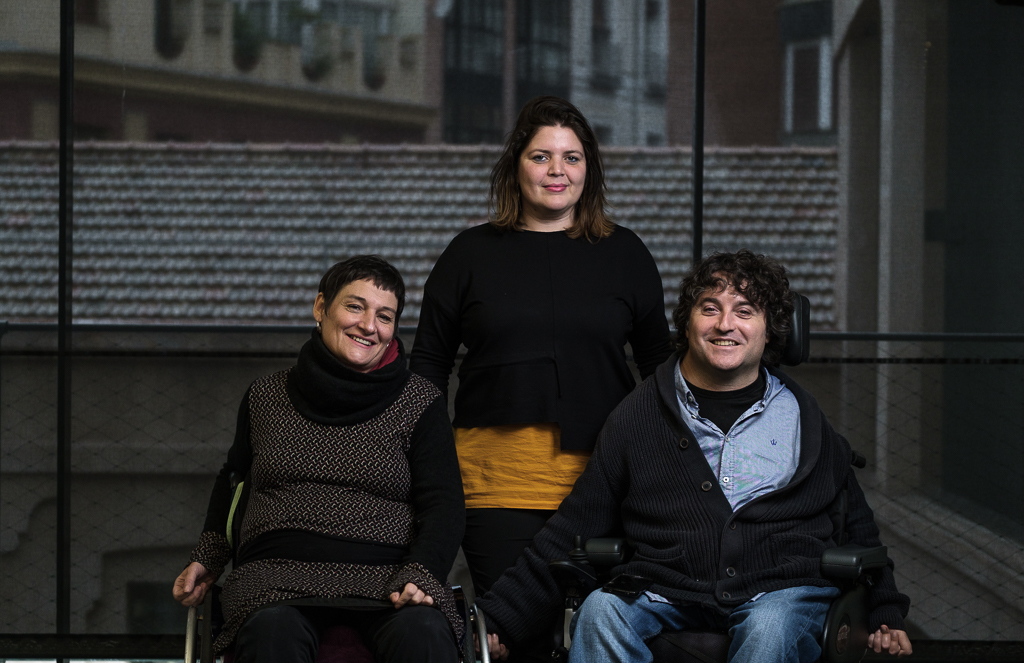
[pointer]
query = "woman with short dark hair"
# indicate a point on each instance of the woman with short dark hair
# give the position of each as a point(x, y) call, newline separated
point(354, 492)
point(545, 299)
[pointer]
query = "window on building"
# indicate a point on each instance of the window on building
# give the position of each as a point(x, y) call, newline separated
point(473, 61)
point(542, 49)
point(655, 49)
point(260, 15)
point(373, 22)
point(808, 81)
point(805, 31)
point(604, 56)
point(290, 18)
point(171, 26)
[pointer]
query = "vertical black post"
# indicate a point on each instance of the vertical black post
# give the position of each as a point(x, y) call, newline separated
point(67, 125)
point(3, 331)
point(699, 7)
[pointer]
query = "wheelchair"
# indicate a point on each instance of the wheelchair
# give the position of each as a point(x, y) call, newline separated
point(338, 644)
point(852, 567)
point(844, 639)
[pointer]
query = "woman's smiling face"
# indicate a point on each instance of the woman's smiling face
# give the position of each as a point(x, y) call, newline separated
point(358, 325)
point(552, 172)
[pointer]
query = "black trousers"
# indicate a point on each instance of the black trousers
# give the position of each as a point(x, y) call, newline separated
point(291, 634)
point(494, 540)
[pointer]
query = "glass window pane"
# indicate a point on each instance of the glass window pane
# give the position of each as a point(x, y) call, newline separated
point(878, 148)
point(231, 151)
point(29, 126)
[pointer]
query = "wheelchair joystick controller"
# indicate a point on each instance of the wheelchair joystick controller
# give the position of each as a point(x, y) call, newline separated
point(578, 553)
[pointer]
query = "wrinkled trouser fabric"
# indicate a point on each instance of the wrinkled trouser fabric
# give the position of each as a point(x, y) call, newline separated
point(778, 627)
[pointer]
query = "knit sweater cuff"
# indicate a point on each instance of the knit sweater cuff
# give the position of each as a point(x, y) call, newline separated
point(418, 575)
point(494, 627)
point(213, 552)
point(497, 622)
point(889, 615)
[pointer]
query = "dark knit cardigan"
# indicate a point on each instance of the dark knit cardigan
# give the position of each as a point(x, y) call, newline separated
point(649, 481)
point(344, 467)
point(545, 319)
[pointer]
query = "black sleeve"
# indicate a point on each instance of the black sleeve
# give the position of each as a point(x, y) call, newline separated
point(436, 490)
point(650, 339)
point(239, 460)
point(438, 334)
point(886, 604)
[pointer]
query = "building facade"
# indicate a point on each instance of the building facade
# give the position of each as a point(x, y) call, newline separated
point(609, 57)
point(223, 71)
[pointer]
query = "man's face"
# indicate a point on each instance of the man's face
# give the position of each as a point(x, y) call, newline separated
point(726, 338)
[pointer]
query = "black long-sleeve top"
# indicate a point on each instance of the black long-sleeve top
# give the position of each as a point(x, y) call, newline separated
point(545, 320)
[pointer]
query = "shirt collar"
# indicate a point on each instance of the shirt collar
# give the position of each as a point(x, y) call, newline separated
point(772, 386)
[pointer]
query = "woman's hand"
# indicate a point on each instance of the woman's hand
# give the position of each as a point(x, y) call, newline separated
point(411, 595)
point(891, 640)
point(192, 584)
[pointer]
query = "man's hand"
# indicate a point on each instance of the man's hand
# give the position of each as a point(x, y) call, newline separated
point(892, 641)
point(190, 587)
point(497, 650)
point(411, 595)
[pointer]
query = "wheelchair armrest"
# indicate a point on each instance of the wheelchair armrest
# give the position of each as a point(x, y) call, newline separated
point(606, 553)
point(850, 561)
point(579, 574)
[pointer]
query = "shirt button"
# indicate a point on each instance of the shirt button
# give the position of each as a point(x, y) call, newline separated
point(683, 443)
point(706, 486)
point(725, 479)
point(731, 572)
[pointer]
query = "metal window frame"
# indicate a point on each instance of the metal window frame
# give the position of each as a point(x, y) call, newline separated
point(64, 645)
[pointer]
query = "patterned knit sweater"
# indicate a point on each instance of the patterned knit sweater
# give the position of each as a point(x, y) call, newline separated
point(649, 481)
point(342, 465)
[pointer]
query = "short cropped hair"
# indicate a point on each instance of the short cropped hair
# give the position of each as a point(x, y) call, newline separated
point(373, 268)
point(589, 217)
point(762, 281)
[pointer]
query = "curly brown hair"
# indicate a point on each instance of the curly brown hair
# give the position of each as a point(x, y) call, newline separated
point(589, 217)
point(761, 279)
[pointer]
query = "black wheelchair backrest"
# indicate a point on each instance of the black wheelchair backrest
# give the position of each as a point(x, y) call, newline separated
point(798, 343)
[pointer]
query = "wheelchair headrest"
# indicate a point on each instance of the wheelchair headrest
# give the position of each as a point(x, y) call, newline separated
point(798, 343)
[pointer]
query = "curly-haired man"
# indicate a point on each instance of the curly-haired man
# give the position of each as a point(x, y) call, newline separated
point(723, 475)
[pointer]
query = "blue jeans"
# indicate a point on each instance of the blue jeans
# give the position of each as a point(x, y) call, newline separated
point(782, 626)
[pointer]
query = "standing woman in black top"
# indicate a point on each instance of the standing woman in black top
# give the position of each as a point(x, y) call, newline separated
point(545, 298)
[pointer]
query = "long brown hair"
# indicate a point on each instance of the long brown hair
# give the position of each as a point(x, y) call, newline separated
point(589, 217)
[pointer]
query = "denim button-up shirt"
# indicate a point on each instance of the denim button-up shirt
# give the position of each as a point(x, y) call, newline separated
point(761, 451)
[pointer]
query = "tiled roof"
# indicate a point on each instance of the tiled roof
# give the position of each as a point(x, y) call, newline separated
point(242, 233)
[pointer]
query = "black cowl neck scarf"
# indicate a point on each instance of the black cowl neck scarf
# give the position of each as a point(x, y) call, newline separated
point(324, 390)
